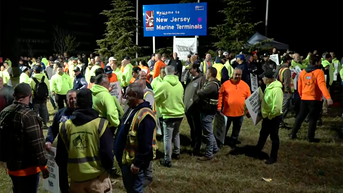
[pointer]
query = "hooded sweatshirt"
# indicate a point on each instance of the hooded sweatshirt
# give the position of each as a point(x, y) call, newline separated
point(81, 117)
point(329, 72)
point(271, 106)
point(103, 102)
point(311, 84)
point(60, 84)
point(169, 97)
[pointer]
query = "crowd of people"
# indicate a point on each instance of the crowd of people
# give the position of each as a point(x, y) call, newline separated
point(115, 111)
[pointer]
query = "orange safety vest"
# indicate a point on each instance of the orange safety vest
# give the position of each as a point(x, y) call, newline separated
point(281, 72)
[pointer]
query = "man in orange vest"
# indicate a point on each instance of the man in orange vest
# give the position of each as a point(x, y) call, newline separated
point(284, 75)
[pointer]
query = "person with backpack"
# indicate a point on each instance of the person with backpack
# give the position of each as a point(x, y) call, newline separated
point(311, 88)
point(22, 142)
point(40, 91)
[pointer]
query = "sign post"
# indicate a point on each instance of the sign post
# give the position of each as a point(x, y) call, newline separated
point(153, 45)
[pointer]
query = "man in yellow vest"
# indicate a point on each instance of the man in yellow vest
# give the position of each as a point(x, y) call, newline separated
point(85, 143)
point(134, 139)
point(284, 75)
point(206, 63)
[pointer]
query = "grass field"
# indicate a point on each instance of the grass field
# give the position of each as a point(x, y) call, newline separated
point(301, 167)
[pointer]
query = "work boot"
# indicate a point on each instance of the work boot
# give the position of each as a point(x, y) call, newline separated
point(166, 163)
point(270, 161)
point(205, 158)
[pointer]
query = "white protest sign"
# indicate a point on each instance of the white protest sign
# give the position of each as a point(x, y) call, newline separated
point(116, 89)
point(51, 184)
point(275, 58)
point(184, 46)
point(219, 127)
point(254, 82)
point(253, 105)
point(297, 71)
point(336, 71)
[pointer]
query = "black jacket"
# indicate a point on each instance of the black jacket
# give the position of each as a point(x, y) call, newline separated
point(178, 67)
point(80, 82)
point(208, 96)
point(145, 130)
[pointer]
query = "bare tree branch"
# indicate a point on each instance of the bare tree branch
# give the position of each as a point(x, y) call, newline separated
point(62, 41)
point(30, 51)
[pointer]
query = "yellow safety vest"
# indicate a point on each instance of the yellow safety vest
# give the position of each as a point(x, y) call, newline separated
point(219, 67)
point(154, 144)
point(281, 72)
point(205, 66)
point(83, 143)
point(229, 68)
point(131, 146)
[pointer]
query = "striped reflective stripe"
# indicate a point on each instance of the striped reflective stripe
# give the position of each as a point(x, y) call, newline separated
point(282, 70)
point(82, 160)
point(101, 129)
point(64, 135)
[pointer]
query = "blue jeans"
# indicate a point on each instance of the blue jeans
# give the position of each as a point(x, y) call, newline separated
point(134, 183)
point(207, 127)
point(23, 184)
point(236, 128)
point(52, 101)
point(42, 110)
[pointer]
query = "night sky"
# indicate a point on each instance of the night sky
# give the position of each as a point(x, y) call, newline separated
point(304, 25)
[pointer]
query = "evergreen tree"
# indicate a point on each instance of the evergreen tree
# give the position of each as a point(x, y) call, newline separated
point(120, 30)
point(237, 29)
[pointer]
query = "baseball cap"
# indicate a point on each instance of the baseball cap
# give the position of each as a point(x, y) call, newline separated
point(240, 56)
point(108, 70)
point(127, 58)
point(269, 73)
point(77, 69)
point(265, 55)
point(111, 58)
point(225, 53)
point(24, 68)
point(22, 90)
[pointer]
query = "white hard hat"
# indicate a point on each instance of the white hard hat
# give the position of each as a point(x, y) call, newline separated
point(111, 58)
